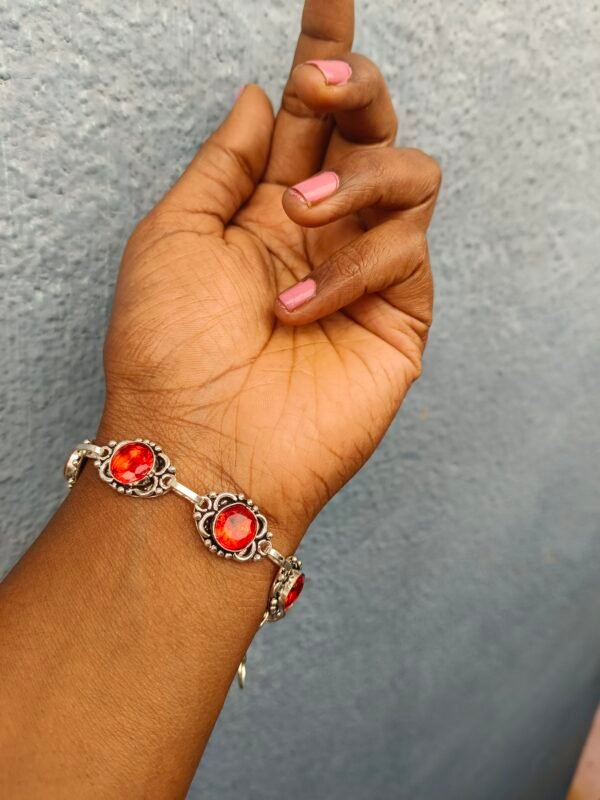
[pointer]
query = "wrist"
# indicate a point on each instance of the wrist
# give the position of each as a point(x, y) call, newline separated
point(140, 543)
point(228, 523)
point(205, 460)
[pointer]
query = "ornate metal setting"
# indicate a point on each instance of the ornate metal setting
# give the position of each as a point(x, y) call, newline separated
point(283, 584)
point(205, 517)
point(156, 483)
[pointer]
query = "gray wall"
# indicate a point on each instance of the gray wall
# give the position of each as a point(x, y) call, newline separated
point(447, 646)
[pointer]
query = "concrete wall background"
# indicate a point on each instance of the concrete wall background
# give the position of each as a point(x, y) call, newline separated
point(447, 646)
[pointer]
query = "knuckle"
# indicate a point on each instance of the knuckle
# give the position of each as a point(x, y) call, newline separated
point(432, 169)
point(349, 265)
point(294, 105)
point(379, 169)
point(369, 169)
point(371, 71)
point(358, 161)
point(428, 165)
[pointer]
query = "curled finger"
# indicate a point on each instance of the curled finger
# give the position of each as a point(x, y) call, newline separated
point(394, 180)
point(354, 91)
point(383, 257)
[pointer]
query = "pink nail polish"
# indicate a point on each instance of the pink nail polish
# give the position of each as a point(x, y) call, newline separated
point(317, 187)
point(298, 294)
point(239, 92)
point(336, 73)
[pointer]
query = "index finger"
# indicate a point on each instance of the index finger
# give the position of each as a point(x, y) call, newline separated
point(301, 135)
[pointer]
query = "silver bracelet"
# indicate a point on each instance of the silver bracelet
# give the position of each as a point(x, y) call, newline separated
point(229, 524)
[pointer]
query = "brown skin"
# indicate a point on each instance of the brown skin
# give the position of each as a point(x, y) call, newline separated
point(586, 781)
point(120, 633)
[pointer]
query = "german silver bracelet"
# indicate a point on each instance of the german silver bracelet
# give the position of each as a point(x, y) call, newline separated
point(230, 525)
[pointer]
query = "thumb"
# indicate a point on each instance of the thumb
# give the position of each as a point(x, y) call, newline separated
point(224, 172)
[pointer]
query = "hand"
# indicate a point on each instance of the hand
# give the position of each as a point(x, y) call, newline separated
point(245, 386)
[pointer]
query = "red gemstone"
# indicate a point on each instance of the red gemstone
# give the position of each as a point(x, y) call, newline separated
point(294, 593)
point(131, 463)
point(235, 526)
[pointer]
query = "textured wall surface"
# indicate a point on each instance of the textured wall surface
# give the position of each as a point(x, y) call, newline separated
point(447, 646)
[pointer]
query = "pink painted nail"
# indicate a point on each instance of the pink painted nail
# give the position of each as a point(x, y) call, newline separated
point(317, 187)
point(239, 92)
point(298, 294)
point(336, 73)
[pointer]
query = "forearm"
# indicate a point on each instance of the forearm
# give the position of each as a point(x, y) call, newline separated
point(120, 638)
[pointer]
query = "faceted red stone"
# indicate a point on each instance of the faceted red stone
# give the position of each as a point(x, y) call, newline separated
point(235, 526)
point(132, 462)
point(294, 593)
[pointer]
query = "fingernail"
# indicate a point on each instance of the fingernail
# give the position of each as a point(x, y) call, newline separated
point(298, 294)
point(336, 73)
point(239, 92)
point(317, 187)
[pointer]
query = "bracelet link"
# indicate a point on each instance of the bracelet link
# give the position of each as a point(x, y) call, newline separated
point(183, 491)
point(75, 462)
